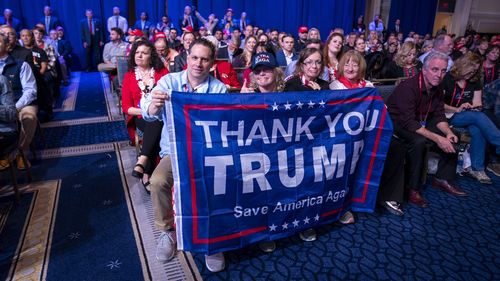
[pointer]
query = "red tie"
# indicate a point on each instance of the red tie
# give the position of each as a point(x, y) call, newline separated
point(90, 27)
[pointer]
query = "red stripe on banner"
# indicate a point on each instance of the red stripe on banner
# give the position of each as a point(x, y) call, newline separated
point(353, 100)
point(191, 171)
point(372, 160)
point(332, 212)
point(225, 107)
point(189, 137)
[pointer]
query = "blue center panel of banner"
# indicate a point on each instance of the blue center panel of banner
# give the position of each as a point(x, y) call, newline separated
point(266, 166)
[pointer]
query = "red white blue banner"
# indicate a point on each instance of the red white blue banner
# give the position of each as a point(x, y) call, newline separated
point(254, 167)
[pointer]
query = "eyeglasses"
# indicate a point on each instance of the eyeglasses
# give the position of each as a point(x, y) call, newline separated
point(353, 65)
point(312, 62)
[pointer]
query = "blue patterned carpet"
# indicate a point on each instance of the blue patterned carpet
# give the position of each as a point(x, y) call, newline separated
point(84, 134)
point(454, 239)
point(90, 101)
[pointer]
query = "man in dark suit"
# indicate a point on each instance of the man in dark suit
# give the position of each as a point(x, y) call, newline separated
point(187, 19)
point(63, 51)
point(222, 52)
point(11, 21)
point(92, 39)
point(50, 22)
point(144, 24)
point(287, 54)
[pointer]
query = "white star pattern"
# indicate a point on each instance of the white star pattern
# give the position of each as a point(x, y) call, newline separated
point(114, 264)
point(275, 106)
point(306, 220)
point(272, 227)
point(295, 223)
point(288, 106)
point(310, 104)
point(78, 185)
point(322, 103)
point(285, 226)
point(74, 235)
point(102, 166)
point(107, 202)
point(316, 218)
point(299, 105)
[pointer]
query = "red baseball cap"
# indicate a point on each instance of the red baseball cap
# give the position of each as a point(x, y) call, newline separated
point(303, 29)
point(159, 35)
point(189, 28)
point(136, 32)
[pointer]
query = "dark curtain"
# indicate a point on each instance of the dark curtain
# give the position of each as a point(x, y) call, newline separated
point(415, 15)
point(286, 15)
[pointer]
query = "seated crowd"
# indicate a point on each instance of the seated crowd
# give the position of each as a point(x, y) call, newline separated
point(444, 86)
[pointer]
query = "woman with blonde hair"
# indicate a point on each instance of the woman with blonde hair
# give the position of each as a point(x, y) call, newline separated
point(313, 33)
point(463, 106)
point(244, 60)
point(405, 63)
point(351, 72)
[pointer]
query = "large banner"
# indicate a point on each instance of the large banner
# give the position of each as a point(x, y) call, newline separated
point(253, 167)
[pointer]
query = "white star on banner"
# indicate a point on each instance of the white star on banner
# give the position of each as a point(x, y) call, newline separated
point(306, 220)
point(311, 104)
point(285, 225)
point(295, 223)
point(114, 264)
point(322, 103)
point(288, 106)
point(74, 235)
point(316, 218)
point(107, 202)
point(299, 105)
point(275, 106)
point(272, 227)
point(78, 185)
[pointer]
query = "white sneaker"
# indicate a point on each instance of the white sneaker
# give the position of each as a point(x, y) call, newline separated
point(480, 176)
point(216, 262)
point(347, 218)
point(308, 235)
point(166, 248)
point(494, 168)
point(267, 246)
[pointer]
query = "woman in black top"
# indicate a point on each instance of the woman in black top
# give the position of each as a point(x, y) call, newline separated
point(491, 65)
point(463, 104)
point(405, 63)
point(309, 67)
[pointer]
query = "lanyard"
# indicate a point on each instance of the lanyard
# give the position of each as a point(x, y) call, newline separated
point(185, 87)
point(461, 94)
point(409, 72)
point(423, 120)
point(486, 74)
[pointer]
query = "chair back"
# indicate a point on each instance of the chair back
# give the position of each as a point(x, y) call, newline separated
point(121, 67)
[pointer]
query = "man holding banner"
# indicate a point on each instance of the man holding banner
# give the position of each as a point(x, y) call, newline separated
point(195, 79)
point(249, 168)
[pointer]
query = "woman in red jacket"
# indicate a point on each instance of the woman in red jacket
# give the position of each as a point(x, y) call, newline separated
point(145, 69)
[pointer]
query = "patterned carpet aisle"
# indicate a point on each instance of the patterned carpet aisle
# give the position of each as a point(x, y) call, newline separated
point(84, 217)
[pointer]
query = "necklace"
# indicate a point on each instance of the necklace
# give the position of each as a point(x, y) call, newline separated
point(140, 75)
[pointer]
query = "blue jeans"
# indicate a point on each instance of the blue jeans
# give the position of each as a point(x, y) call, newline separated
point(482, 130)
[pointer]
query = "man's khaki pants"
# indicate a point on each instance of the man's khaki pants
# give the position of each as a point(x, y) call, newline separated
point(161, 194)
point(29, 121)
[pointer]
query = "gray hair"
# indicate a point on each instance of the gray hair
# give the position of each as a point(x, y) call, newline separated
point(439, 40)
point(428, 43)
point(434, 55)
